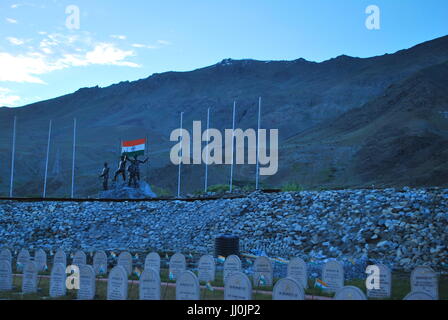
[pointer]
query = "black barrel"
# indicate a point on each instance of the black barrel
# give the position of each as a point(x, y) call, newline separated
point(226, 245)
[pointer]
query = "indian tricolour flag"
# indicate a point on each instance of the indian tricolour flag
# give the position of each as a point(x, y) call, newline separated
point(133, 148)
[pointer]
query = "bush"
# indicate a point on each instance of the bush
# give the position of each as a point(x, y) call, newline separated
point(292, 187)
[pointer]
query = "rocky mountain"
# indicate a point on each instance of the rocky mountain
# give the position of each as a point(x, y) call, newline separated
point(345, 122)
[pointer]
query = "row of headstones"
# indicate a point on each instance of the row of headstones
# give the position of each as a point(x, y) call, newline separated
point(424, 281)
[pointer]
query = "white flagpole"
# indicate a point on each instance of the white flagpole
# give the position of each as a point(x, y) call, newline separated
point(46, 163)
point(73, 163)
point(13, 157)
point(181, 154)
point(233, 143)
point(206, 148)
point(257, 174)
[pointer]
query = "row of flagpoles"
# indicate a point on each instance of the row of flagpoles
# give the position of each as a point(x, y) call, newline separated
point(11, 188)
point(44, 194)
point(257, 174)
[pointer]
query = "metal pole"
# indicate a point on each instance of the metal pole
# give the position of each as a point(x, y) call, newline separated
point(46, 163)
point(206, 148)
point(233, 143)
point(73, 163)
point(181, 154)
point(13, 157)
point(257, 174)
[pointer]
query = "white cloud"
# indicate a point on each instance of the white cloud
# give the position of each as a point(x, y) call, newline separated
point(139, 45)
point(10, 20)
point(57, 53)
point(119, 37)
point(15, 41)
point(164, 42)
point(8, 99)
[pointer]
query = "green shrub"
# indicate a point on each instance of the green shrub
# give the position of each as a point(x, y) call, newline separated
point(292, 187)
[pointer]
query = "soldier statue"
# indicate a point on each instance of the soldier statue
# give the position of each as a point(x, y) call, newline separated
point(134, 171)
point(121, 168)
point(105, 176)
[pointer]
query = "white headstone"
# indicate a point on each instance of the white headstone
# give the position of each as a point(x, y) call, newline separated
point(29, 278)
point(231, 265)
point(288, 289)
point(178, 264)
point(125, 260)
point(385, 284)
point(79, 259)
point(22, 259)
point(87, 283)
point(333, 275)
point(60, 257)
point(100, 262)
point(206, 268)
point(350, 293)
point(298, 270)
point(5, 275)
point(40, 258)
point(5, 254)
point(117, 284)
point(263, 268)
point(418, 295)
point(237, 286)
point(149, 287)
point(153, 261)
point(58, 278)
point(187, 286)
point(424, 279)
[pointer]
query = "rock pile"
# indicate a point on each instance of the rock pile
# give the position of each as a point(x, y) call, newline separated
point(402, 228)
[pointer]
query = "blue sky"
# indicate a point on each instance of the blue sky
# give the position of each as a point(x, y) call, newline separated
point(40, 58)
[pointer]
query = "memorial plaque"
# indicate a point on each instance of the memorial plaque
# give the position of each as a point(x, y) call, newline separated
point(237, 286)
point(149, 288)
point(87, 282)
point(424, 279)
point(206, 268)
point(231, 265)
point(153, 261)
point(385, 284)
point(5, 254)
point(298, 270)
point(40, 258)
point(418, 295)
point(187, 286)
point(350, 293)
point(100, 262)
point(29, 278)
point(58, 278)
point(22, 259)
point(177, 264)
point(117, 284)
point(125, 260)
point(79, 259)
point(288, 289)
point(5, 274)
point(333, 275)
point(263, 268)
point(60, 257)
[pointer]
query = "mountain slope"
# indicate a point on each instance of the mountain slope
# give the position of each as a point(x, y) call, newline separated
point(325, 114)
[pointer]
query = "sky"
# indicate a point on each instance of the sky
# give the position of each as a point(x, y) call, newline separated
point(49, 48)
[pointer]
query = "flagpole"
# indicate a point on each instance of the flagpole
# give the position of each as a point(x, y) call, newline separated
point(73, 163)
point(206, 148)
point(233, 143)
point(13, 157)
point(46, 163)
point(257, 174)
point(181, 153)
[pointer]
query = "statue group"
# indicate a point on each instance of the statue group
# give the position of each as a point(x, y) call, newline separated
point(133, 171)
